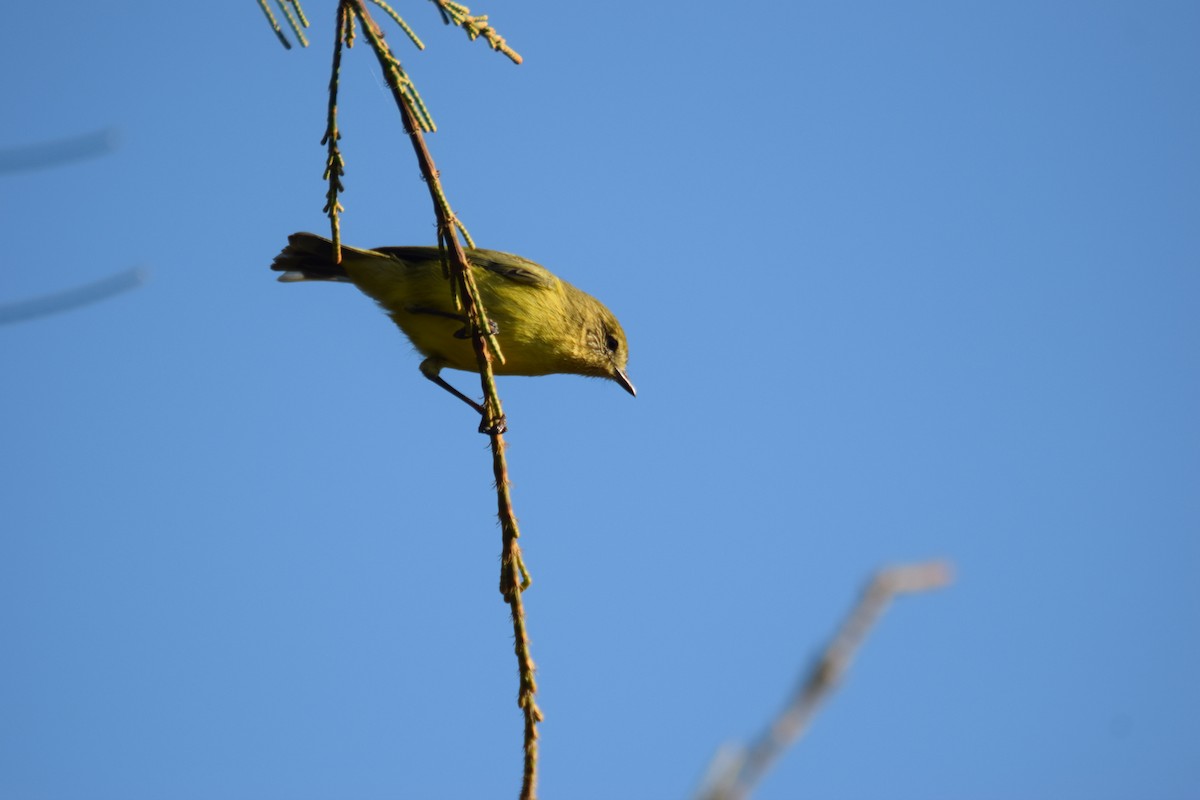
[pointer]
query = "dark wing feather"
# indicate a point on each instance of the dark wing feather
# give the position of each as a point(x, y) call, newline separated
point(413, 255)
point(515, 268)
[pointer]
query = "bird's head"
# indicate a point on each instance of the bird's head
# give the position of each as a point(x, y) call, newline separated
point(606, 352)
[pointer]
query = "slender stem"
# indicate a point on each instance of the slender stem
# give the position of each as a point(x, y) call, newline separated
point(295, 4)
point(295, 23)
point(266, 9)
point(514, 578)
point(334, 165)
point(475, 27)
point(399, 20)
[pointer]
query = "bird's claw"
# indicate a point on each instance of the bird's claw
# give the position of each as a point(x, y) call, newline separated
point(465, 331)
point(490, 426)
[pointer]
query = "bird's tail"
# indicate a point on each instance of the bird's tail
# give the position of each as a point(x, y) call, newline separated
point(309, 257)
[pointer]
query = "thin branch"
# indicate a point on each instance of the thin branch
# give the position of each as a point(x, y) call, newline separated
point(397, 79)
point(400, 21)
point(61, 151)
point(266, 9)
point(73, 298)
point(299, 12)
point(460, 15)
point(514, 578)
point(736, 771)
point(286, 7)
point(296, 20)
point(335, 167)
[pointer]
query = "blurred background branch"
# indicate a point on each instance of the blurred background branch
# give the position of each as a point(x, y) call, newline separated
point(73, 298)
point(62, 151)
point(735, 770)
point(44, 155)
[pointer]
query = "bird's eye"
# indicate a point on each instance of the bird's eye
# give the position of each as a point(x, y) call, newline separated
point(610, 342)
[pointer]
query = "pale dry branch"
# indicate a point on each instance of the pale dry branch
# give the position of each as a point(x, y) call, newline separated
point(736, 770)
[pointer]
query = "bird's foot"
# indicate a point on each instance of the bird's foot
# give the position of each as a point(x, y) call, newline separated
point(465, 331)
point(492, 426)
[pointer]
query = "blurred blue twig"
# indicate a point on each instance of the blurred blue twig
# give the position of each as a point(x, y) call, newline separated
point(73, 298)
point(63, 151)
point(51, 154)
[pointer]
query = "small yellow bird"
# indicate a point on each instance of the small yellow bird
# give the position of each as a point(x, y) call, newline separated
point(544, 324)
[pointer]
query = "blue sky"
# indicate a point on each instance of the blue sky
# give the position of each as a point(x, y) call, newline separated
point(901, 281)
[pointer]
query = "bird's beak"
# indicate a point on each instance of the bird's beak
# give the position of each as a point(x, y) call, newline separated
point(620, 377)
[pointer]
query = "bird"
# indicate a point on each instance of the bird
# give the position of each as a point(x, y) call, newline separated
point(544, 325)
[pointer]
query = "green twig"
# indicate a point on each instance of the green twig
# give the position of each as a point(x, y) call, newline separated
point(335, 166)
point(396, 74)
point(400, 21)
point(286, 7)
point(295, 16)
point(460, 15)
point(299, 12)
point(283, 40)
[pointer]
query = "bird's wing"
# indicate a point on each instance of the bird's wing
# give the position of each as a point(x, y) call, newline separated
point(516, 269)
point(413, 255)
